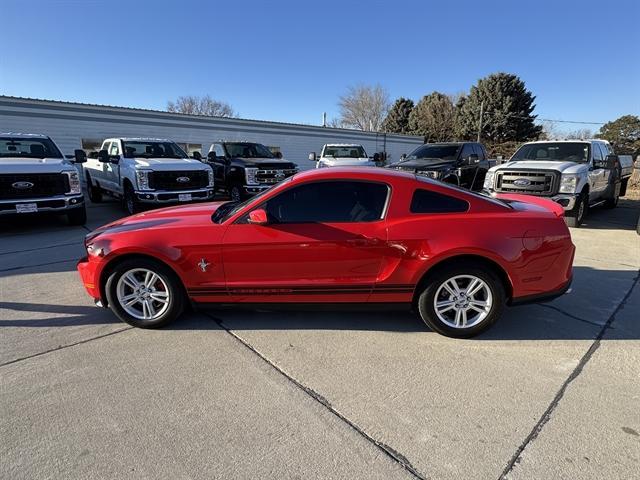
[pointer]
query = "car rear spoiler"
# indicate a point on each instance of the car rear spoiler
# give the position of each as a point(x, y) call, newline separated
point(539, 201)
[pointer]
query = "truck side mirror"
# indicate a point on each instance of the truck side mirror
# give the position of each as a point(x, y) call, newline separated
point(313, 157)
point(376, 157)
point(472, 159)
point(611, 162)
point(403, 156)
point(103, 156)
point(80, 156)
point(278, 154)
point(212, 157)
point(197, 156)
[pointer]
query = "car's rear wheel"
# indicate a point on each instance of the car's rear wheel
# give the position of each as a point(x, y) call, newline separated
point(462, 300)
point(144, 293)
point(575, 216)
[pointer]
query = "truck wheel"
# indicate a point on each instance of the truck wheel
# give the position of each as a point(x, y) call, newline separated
point(235, 192)
point(623, 187)
point(77, 216)
point(144, 293)
point(462, 301)
point(95, 192)
point(129, 200)
point(575, 217)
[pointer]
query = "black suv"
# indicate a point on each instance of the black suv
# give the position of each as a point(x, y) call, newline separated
point(460, 163)
point(242, 169)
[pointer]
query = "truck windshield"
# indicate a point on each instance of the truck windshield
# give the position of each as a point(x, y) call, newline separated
point(344, 151)
point(248, 150)
point(561, 151)
point(149, 149)
point(440, 152)
point(28, 148)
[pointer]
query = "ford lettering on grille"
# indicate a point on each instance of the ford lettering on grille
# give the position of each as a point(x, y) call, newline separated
point(183, 179)
point(22, 185)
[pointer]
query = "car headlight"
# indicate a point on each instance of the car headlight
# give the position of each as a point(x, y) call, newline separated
point(488, 180)
point(568, 183)
point(75, 186)
point(210, 172)
point(252, 176)
point(142, 177)
point(429, 174)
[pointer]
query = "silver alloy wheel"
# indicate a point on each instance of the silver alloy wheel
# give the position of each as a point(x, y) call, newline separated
point(143, 294)
point(463, 301)
point(580, 210)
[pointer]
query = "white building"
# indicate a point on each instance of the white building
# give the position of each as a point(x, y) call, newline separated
point(78, 125)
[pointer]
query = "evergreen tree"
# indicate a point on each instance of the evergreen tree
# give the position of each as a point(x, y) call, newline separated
point(397, 120)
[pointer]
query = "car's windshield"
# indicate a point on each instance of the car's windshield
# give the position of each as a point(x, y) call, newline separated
point(561, 151)
point(28, 148)
point(344, 151)
point(151, 149)
point(248, 150)
point(441, 152)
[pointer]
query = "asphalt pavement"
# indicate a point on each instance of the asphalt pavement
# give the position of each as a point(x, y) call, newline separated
point(551, 391)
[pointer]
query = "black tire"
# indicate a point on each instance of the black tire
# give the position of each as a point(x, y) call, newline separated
point(77, 216)
point(129, 201)
point(235, 192)
point(176, 298)
point(611, 202)
point(576, 215)
point(623, 187)
point(426, 306)
point(95, 192)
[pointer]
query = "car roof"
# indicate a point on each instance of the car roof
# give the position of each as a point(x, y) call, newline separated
point(569, 140)
point(139, 139)
point(355, 173)
point(343, 145)
point(22, 135)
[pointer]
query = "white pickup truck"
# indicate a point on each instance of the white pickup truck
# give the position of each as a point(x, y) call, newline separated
point(36, 177)
point(344, 155)
point(577, 174)
point(146, 171)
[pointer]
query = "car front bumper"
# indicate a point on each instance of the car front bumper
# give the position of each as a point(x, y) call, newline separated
point(89, 274)
point(173, 196)
point(566, 200)
point(58, 203)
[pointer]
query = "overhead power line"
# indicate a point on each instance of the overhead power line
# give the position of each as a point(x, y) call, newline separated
point(513, 115)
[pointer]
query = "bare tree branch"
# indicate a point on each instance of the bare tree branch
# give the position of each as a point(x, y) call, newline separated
point(206, 105)
point(364, 107)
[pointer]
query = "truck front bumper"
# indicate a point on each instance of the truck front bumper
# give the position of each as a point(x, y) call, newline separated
point(58, 203)
point(566, 200)
point(174, 196)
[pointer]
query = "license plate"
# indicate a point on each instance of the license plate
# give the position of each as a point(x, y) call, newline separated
point(26, 207)
point(184, 197)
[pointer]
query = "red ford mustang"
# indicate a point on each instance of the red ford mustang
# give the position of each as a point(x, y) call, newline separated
point(339, 235)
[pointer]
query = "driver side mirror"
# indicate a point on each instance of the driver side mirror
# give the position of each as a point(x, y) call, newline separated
point(472, 159)
point(313, 157)
point(258, 217)
point(403, 156)
point(80, 156)
point(278, 154)
point(103, 156)
point(197, 156)
point(376, 157)
point(212, 157)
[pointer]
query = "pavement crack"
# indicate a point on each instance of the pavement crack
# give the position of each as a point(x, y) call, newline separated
point(62, 347)
point(393, 454)
point(546, 416)
point(560, 310)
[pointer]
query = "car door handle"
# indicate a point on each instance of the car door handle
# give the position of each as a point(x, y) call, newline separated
point(364, 241)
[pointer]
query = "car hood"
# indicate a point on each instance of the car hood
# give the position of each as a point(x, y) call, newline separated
point(169, 164)
point(564, 167)
point(432, 164)
point(174, 217)
point(346, 162)
point(260, 162)
point(34, 165)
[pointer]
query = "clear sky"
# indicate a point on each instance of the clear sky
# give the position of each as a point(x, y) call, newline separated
point(290, 61)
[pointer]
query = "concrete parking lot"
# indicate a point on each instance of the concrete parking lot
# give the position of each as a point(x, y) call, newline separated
point(552, 391)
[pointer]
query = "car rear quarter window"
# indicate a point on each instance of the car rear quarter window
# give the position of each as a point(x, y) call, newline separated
point(426, 201)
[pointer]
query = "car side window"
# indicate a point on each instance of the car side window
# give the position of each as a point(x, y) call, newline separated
point(605, 151)
point(114, 149)
point(467, 150)
point(218, 149)
point(479, 151)
point(329, 202)
point(597, 153)
point(426, 201)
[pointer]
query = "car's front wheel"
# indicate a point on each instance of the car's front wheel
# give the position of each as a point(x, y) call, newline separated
point(462, 300)
point(144, 293)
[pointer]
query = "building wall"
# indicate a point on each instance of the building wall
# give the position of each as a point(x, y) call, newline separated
point(69, 124)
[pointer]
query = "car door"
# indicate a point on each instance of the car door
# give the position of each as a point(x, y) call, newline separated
point(324, 241)
point(466, 171)
point(597, 175)
point(219, 164)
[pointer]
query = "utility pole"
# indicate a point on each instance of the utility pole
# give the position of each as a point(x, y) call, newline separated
point(480, 122)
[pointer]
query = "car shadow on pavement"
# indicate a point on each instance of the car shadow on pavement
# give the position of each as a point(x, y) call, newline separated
point(623, 217)
point(70, 315)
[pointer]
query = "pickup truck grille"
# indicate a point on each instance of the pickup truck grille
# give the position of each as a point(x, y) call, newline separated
point(272, 176)
point(188, 180)
point(529, 182)
point(33, 185)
